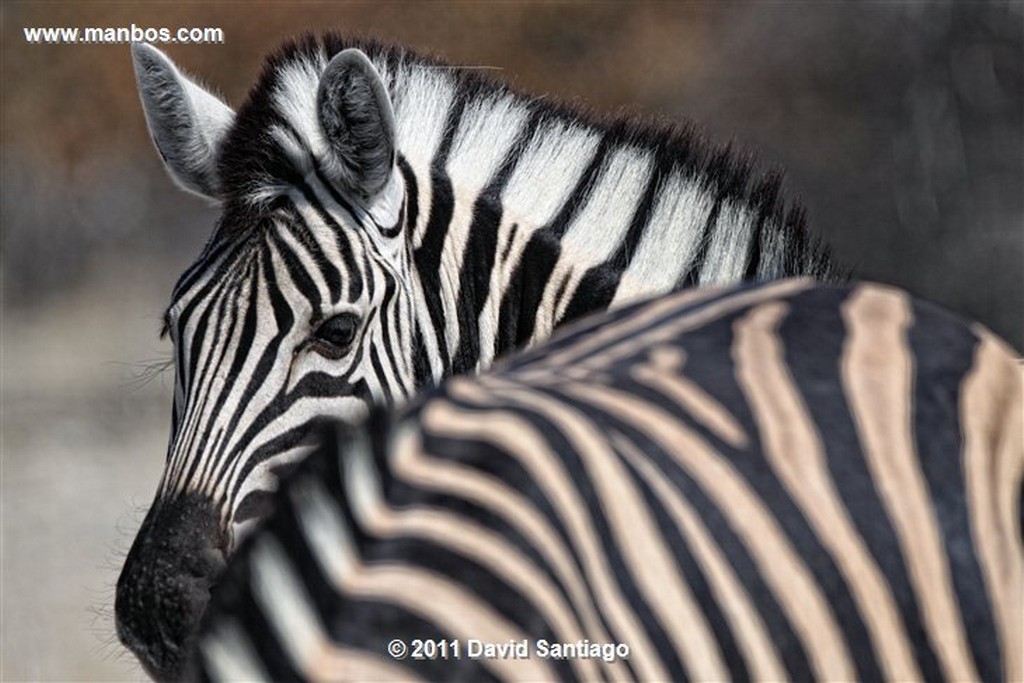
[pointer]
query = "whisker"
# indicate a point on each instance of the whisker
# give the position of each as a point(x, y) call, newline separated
point(141, 373)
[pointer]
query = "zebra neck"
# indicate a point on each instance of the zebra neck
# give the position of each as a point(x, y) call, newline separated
point(470, 277)
point(530, 215)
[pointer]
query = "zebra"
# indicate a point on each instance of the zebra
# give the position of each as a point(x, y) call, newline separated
point(387, 221)
point(788, 481)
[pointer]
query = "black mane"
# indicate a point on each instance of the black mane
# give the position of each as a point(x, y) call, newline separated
point(251, 159)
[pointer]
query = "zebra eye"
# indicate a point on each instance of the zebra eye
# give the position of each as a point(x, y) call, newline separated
point(336, 334)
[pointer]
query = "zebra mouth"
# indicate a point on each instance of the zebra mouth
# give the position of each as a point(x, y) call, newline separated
point(164, 588)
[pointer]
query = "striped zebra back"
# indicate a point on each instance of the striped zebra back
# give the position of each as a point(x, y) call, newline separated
point(789, 481)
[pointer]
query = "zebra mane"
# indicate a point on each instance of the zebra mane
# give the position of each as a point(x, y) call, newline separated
point(254, 167)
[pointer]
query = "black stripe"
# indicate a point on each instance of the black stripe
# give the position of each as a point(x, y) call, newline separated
point(765, 199)
point(943, 351)
point(727, 181)
point(691, 277)
point(428, 256)
point(325, 264)
point(474, 280)
point(378, 371)
point(479, 255)
point(204, 415)
point(597, 287)
point(391, 345)
point(211, 254)
point(813, 336)
point(412, 195)
point(495, 462)
point(690, 568)
point(311, 385)
point(420, 360)
point(512, 232)
point(562, 289)
point(197, 415)
point(710, 373)
point(521, 301)
point(341, 241)
point(284, 320)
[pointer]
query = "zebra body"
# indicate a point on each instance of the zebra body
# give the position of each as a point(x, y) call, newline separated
point(387, 221)
point(786, 482)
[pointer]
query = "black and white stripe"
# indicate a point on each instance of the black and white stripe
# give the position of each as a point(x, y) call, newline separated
point(786, 482)
point(388, 221)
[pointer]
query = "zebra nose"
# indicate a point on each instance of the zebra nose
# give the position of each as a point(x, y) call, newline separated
point(164, 587)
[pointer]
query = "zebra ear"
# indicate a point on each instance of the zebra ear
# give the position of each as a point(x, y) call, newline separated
point(358, 122)
point(187, 122)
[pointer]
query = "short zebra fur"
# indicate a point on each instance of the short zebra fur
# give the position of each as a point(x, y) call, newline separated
point(784, 482)
point(388, 221)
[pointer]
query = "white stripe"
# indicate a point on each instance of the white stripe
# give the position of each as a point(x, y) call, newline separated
point(727, 255)
point(323, 526)
point(547, 172)
point(598, 229)
point(285, 603)
point(670, 241)
point(544, 176)
point(228, 654)
point(422, 99)
point(294, 98)
point(485, 136)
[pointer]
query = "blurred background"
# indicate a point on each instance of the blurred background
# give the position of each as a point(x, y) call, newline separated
point(899, 126)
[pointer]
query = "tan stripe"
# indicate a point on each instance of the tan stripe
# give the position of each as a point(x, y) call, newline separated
point(450, 478)
point(763, 663)
point(990, 411)
point(491, 551)
point(878, 372)
point(794, 450)
point(453, 609)
point(624, 333)
point(782, 568)
point(636, 535)
point(663, 372)
point(520, 440)
point(279, 592)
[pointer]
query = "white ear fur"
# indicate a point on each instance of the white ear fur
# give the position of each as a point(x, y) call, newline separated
point(187, 122)
point(357, 120)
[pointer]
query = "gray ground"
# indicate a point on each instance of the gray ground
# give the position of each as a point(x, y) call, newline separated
point(78, 471)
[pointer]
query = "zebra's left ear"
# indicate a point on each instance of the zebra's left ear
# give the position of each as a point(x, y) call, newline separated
point(357, 119)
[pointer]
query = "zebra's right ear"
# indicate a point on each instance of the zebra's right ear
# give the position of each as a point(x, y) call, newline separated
point(357, 119)
point(187, 122)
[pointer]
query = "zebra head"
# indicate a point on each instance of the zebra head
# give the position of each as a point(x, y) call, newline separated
point(299, 306)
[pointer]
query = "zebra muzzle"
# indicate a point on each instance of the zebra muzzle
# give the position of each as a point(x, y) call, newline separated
point(174, 562)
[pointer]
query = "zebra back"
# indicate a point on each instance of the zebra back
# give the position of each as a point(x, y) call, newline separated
point(789, 481)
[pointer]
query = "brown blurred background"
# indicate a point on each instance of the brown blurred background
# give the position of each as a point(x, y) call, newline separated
point(899, 126)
